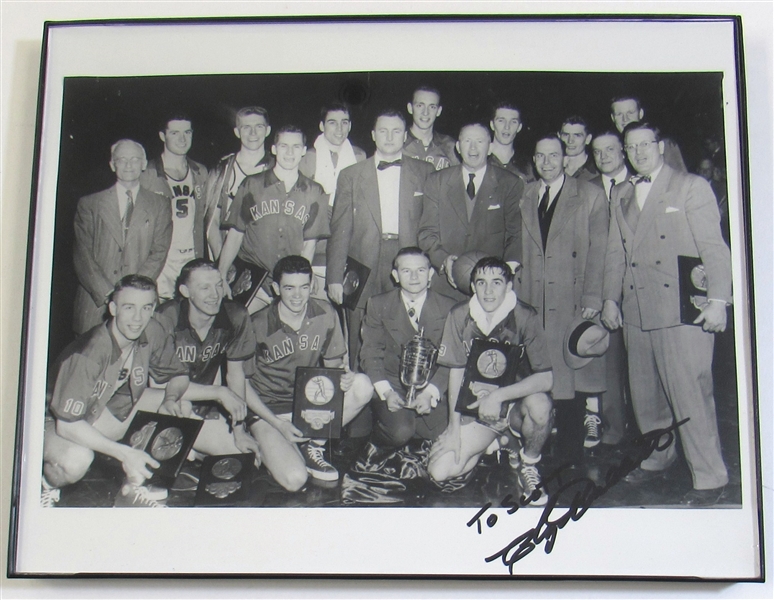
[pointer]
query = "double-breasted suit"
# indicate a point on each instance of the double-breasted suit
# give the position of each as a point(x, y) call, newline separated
point(102, 256)
point(386, 329)
point(494, 226)
point(670, 364)
point(565, 276)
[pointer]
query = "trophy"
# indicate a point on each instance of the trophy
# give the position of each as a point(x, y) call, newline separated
point(416, 361)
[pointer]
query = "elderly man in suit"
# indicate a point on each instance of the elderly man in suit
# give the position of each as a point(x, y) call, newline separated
point(657, 217)
point(564, 232)
point(120, 231)
point(391, 321)
point(375, 213)
point(472, 206)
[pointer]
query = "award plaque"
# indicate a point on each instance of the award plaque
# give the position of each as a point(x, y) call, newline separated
point(225, 480)
point(490, 365)
point(245, 280)
point(166, 438)
point(355, 277)
point(693, 288)
point(318, 402)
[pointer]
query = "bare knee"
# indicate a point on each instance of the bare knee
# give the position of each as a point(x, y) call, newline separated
point(361, 391)
point(538, 407)
point(292, 479)
point(68, 466)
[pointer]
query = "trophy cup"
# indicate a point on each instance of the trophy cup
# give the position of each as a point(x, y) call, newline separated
point(416, 361)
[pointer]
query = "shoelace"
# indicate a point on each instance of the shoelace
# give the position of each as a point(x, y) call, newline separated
point(592, 423)
point(531, 477)
point(49, 497)
point(141, 495)
point(316, 454)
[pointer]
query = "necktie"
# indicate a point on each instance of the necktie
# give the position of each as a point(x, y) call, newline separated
point(641, 179)
point(471, 188)
point(412, 313)
point(543, 206)
point(612, 185)
point(334, 158)
point(129, 211)
point(383, 164)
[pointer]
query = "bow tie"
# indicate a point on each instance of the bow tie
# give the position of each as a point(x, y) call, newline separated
point(383, 164)
point(641, 179)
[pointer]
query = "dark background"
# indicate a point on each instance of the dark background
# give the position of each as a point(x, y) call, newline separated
point(99, 111)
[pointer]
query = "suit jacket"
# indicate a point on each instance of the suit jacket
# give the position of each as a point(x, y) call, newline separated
point(102, 256)
point(680, 217)
point(308, 164)
point(154, 180)
point(494, 226)
point(597, 179)
point(567, 276)
point(386, 328)
point(356, 224)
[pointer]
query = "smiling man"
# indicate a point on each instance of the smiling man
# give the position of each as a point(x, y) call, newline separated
point(422, 141)
point(472, 206)
point(494, 313)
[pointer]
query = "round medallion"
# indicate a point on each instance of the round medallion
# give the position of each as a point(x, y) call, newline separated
point(491, 364)
point(319, 390)
point(226, 468)
point(351, 282)
point(699, 278)
point(167, 444)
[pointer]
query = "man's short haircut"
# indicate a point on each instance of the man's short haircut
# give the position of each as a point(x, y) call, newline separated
point(289, 129)
point(409, 251)
point(426, 88)
point(334, 107)
point(475, 124)
point(175, 116)
point(551, 136)
point(505, 104)
point(489, 263)
point(624, 98)
point(115, 146)
point(192, 265)
point(290, 265)
point(608, 132)
point(389, 112)
point(136, 282)
point(576, 120)
point(634, 125)
point(251, 110)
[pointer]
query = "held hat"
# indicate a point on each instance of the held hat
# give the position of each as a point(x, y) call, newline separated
point(584, 341)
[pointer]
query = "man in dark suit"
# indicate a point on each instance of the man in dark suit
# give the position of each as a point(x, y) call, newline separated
point(505, 125)
point(472, 206)
point(391, 321)
point(564, 232)
point(656, 218)
point(376, 212)
point(120, 231)
point(606, 423)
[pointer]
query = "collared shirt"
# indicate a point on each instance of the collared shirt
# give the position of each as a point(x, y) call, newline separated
point(280, 350)
point(231, 334)
point(642, 189)
point(522, 169)
point(123, 199)
point(388, 181)
point(233, 176)
point(440, 152)
point(619, 177)
point(415, 304)
point(276, 222)
point(478, 176)
point(88, 373)
point(554, 190)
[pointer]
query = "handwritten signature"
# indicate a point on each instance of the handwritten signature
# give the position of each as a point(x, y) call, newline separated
point(579, 493)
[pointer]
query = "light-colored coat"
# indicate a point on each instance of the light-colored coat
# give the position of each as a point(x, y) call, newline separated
point(567, 276)
point(102, 256)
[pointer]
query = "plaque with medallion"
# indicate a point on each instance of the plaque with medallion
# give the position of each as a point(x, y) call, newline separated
point(490, 365)
point(355, 277)
point(225, 480)
point(318, 402)
point(245, 279)
point(693, 288)
point(166, 438)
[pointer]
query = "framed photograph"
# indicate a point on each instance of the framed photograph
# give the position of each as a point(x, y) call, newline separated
point(102, 82)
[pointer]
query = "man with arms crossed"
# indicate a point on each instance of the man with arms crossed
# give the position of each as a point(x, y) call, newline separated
point(101, 382)
point(295, 331)
point(657, 217)
point(423, 142)
point(494, 313)
point(180, 182)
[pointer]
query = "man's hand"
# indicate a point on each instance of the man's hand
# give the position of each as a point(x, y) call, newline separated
point(394, 401)
point(589, 313)
point(245, 443)
point(336, 292)
point(347, 379)
point(488, 404)
point(423, 403)
point(449, 441)
point(611, 315)
point(137, 465)
point(448, 265)
point(176, 408)
point(713, 317)
point(291, 433)
point(226, 286)
point(233, 404)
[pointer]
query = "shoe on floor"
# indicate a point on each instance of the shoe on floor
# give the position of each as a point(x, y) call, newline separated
point(49, 495)
point(136, 496)
point(314, 457)
point(532, 484)
point(696, 498)
point(639, 476)
point(593, 426)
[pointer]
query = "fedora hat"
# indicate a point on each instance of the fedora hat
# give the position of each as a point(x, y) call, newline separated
point(583, 341)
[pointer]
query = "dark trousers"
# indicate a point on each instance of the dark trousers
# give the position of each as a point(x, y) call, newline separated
point(396, 429)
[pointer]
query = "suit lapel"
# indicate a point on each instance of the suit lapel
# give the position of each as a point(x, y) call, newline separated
point(567, 204)
point(110, 215)
point(432, 318)
point(397, 319)
point(529, 212)
point(484, 195)
point(370, 191)
point(455, 193)
point(141, 212)
point(628, 209)
point(654, 204)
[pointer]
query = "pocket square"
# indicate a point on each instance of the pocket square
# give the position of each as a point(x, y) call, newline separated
point(671, 209)
point(493, 207)
point(419, 194)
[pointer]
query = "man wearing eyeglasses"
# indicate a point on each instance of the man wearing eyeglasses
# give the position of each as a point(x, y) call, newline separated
point(122, 230)
point(656, 217)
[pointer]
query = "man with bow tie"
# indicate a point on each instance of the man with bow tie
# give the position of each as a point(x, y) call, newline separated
point(660, 215)
point(375, 213)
